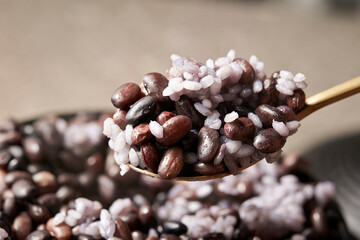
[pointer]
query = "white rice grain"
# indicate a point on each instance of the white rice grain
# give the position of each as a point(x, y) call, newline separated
point(293, 125)
point(233, 146)
point(281, 128)
point(255, 119)
point(156, 129)
point(284, 90)
point(192, 86)
point(207, 81)
point(299, 77)
point(210, 63)
point(206, 103)
point(202, 71)
point(201, 109)
point(167, 91)
point(231, 54)
point(133, 157)
point(257, 86)
point(128, 132)
point(124, 169)
point(224, 72)
point(221, 61)
point(108, 123)
point(286, 75)
point(230, 117)
point(245, 151)
point(176, 84)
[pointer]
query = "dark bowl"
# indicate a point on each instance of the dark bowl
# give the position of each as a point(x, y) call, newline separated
point(338, 160)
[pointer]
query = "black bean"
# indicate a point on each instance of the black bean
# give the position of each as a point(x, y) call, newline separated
point(147, 216)
point(12, 177)
point(50, 201)
point(248, 74)
point(141, 134)
point(297, 101)
point(150, 156)
point(137, 235)
point(22, 226)
point(33, 149)
point(10, 207)
point(16, 164)
point(269, 94)
point(268, 114)
point(95, 163)
point(242, 110)
point(288, 112)
point(208, 169)
point(9, 138)
point(190, 141)
point(65, 193)
point(231, 165)
point(39, 235)
point(38, 213)
point(122, 230)
point(213, 236)
point(241, 129)
point(174, 227)
point(155, 83)
point(318, 221)
point(5, 157)
point(164, 116)
point(119, 118)
point(171, 163)
point(174, 130)
point(126, 95)
point(268, 141)
point(5, 222)
point(185, 106)
point(208, 144)
point(34, 168)
point(61, 231)
point(24, 189)
point(45, 182)
point(87, 180)
point(242, 232)
point(141, 110)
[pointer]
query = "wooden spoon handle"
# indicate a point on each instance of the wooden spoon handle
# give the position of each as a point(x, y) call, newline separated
point(330, 96)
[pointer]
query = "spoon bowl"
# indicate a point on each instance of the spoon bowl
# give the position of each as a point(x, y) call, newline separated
point(313, 103)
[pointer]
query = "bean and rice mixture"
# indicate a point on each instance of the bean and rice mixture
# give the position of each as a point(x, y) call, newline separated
point(58, 180)
point(204, 119)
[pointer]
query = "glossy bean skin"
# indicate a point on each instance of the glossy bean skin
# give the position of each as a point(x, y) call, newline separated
point(248, 74)
point(155, 83)
point(126, 95)
point(268, 114)
point(150, 156)
point(268, 141)
point(141, 134)
point(241, 129)
point(207, 169)
point(141, 110)
point(297, 101)
point(171, 163)
point(208, 144)
point(175, 129)
point(185, 106)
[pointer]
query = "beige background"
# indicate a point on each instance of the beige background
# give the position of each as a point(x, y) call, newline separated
point(62, 56)
point(58, 56)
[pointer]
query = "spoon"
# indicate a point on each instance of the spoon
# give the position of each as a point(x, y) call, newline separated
point(312, 104)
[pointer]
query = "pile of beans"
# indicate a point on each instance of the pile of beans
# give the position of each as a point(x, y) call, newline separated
point(58, 180)
point(204, 119)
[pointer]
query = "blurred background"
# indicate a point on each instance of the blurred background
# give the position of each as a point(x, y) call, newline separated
point(65, 56)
